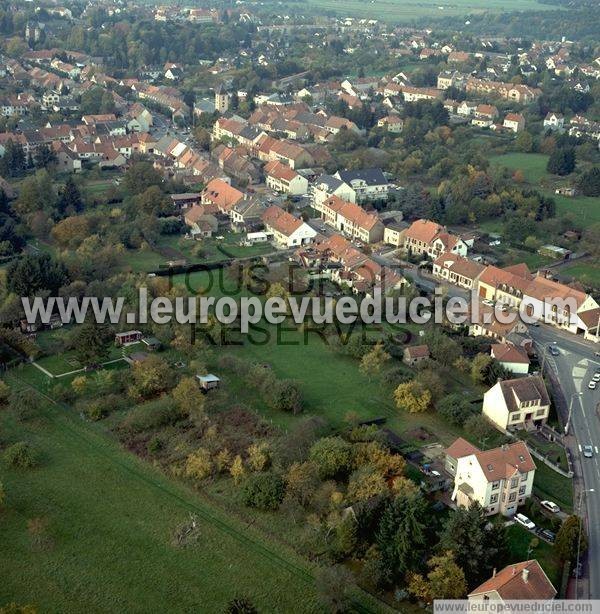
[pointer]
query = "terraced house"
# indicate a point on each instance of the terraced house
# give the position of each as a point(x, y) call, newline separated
point(352, 220)
point(427, 238)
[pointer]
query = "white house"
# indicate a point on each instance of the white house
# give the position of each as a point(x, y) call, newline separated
point(287, 230)
point(517, 404)
point(554, 121)
point(514, 359)
point(368, 183)
point(328, 185)
point(281, 178)
point(500, 480)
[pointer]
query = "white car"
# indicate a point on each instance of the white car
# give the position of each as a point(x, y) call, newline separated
point(588, 451)
point(592, 385)
point(524, 521)
point(488, 302)
point(596, 377)
point(550, 506)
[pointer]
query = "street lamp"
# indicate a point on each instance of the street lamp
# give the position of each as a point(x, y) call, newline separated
point(577, 569)
point(575, 394)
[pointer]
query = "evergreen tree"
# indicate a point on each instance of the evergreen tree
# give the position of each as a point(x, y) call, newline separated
point(562, 161)
point(69, 201)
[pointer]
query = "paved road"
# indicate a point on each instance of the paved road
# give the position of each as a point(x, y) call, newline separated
point(574, 368)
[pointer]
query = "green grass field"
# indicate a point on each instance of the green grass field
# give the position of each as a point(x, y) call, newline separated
point(520, 540)
point(389, 10)
point(108, 539)
point(586, 272)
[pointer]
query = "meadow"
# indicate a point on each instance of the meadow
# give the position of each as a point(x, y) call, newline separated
point(396, 11)
point(91, 529)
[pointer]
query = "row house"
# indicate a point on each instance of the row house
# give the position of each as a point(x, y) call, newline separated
point(282, 178)
point(499, 480)
point(413, 94)
point(352, 220)
point(292, 154)
point(457, 270)
point(522, 94)
point(543, 299)
point(237, 164)
point(427, 238)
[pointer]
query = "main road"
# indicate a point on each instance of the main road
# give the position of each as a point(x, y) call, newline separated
point(574, 368)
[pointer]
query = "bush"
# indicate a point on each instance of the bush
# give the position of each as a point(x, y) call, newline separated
point(149, 416)
point(263, 491)
point(284, 395)
point(456, 409)
point(21, 456)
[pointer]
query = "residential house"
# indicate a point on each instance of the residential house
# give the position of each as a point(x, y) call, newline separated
point(457, 270)
point(517, 404)
point(352, 220)
point(369, 184)
point(221, 194)
point(424, 237)
point(328, 185)
point(511, 357)
point(414, 354)
point(554, 121)
point(392, 123)
point(485, 114)
point(281, 178)
point(287, 230)
point(514, 122)
point(526, 580)
point(499, 480)
point(412, 94)
point(185, 200)
point(201, 224)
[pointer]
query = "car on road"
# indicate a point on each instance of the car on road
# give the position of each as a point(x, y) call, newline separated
point(592, 385)
point(588, 451)
point(550, 506)
point(525, 522)
point(488, 302)
point(554, 351)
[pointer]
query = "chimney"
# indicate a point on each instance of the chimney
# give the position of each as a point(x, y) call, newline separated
point(525, 574)
point(494, 573)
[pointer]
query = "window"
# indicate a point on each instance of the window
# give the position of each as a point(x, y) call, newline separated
point(514, 482)
point(495, 485)
point(512, 497)
point(522, 490)
point(494, 499)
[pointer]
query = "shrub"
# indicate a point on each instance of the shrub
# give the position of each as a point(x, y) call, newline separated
point(20, 455)
point(263, 491)
point(285, 395)
point(148, 416)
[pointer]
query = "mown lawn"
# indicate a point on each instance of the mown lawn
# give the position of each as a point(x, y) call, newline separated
point(548, 484)
point(522, 549)
point(588, 273)
point(108, 545)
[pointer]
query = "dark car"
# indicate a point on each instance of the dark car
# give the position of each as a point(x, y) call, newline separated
point(549, 535)
point(554, 350)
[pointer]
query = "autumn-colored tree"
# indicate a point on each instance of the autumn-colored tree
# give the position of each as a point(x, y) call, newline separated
point(71, 231)
point(223, 460)
point(412, 397)
point(365, 483)
point(150, 377)
point(372, 362)
point(373, 453)
point(189, 398)
point(237, 470)
point(258, 456)
point(446, 580)
point(199, 464)
point(302, 481)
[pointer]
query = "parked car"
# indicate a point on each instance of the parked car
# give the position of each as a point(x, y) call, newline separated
point(588, 451)
point(592, 385)
point(524, 521)
point(596, 377)
point(550, 506)
point(549, 535)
